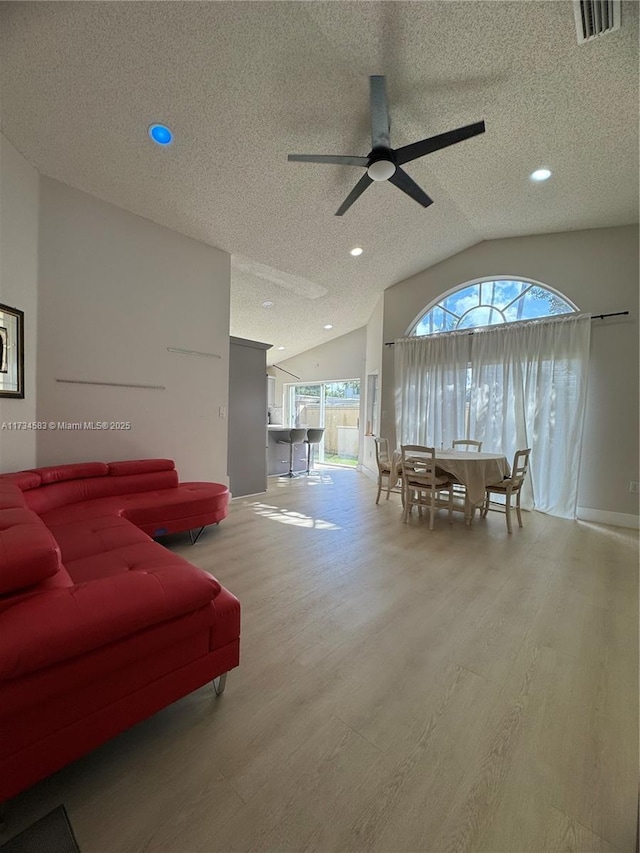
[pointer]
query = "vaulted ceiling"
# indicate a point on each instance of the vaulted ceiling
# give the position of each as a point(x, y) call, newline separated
point(243, 84)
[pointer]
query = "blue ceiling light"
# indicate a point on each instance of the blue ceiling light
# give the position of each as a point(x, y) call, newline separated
point(160, 134)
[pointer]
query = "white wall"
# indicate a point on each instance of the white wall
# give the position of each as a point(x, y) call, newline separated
point(598, 271)
point(339, 359)
point(115, 291)
point(19, 289)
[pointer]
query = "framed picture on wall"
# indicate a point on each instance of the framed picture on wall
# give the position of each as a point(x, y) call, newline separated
point(11, 352)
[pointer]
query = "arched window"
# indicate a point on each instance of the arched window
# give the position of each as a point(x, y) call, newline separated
point(489, 302)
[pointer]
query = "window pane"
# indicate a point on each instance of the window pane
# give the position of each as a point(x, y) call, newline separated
point(371, 427)
point(334, 406)
point(501, 293)
point(462, 300)
point(434, 321)
point(537, 302)
point(306, 406)
point(481, 316)
point(341, 422)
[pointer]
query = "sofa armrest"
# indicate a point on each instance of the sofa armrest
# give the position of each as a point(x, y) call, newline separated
point(63, 623)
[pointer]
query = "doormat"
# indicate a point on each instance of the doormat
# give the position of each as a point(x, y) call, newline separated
point(51, 834)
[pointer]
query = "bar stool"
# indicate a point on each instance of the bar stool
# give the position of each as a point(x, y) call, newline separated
point(296, 436)
point(314, 436)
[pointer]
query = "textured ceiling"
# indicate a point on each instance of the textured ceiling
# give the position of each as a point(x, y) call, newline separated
point(243, 84)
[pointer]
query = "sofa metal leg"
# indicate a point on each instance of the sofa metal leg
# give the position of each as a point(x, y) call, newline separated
point(220, 683)
point(197, 536)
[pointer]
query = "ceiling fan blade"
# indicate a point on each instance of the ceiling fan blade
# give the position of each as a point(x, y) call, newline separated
point(380, 122)
point(355, 193)
point(401, 180)
point(435, 143)
point(336, 159)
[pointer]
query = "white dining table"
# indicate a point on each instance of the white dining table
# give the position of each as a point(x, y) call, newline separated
point(475, 471)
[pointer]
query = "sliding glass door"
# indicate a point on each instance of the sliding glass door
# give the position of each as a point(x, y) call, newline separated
point(334, 406)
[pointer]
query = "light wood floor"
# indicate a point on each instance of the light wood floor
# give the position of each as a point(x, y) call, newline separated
point(400, 690)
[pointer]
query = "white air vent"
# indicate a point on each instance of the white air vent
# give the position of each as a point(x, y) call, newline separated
point(595, 18)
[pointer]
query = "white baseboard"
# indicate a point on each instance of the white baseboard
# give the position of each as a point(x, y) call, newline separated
point(372, 475)
point(242, 497)
point(602, 516)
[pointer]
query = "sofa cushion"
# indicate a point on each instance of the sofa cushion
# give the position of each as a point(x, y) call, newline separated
point(24, 480)
point(28, 552)
point(74, 471)
point(61, 624)
point(69, 513)
point(58, 581)
point(137, 556)
point(140, 466)
point(48, 498)
point(10, 495)
point(13, 516)
point(86, 537)
point(156, 512)
point(187, 500)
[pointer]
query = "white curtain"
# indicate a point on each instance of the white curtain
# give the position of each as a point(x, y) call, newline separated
point(529, 389)
point(430, 381)
point(517, 385)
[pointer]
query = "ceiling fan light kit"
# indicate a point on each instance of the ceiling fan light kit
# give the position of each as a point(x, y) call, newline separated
point(381, 170)
point(383, 162)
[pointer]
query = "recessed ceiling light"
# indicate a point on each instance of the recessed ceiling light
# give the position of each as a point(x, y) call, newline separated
point(280, 348)
point(540, 175)
point(328, 326)
point(355, 252)
point(160, 134)
point(267, 304)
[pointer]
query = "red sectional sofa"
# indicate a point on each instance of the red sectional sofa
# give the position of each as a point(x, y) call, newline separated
point(100, 626)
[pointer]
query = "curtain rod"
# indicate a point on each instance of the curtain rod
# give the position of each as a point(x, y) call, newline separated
point(593, 317)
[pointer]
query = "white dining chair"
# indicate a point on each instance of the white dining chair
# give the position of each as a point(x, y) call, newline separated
point(508, 487)
point(469, 443)
point(421, 485)
point(386, 477)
